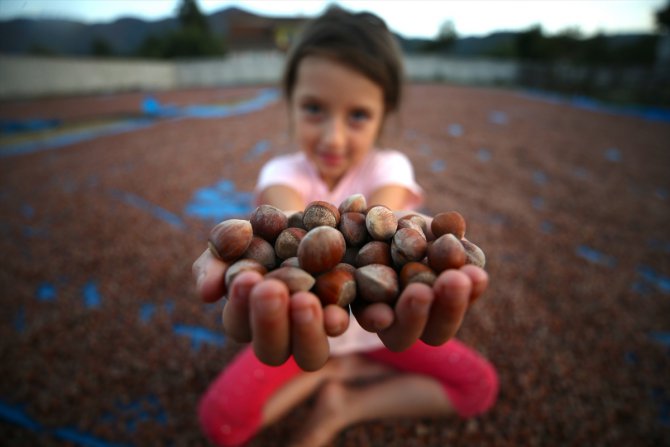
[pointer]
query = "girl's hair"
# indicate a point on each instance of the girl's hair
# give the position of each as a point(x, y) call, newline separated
point(361, 41)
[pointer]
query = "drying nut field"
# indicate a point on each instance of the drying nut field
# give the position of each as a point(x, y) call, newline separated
point(106, 201)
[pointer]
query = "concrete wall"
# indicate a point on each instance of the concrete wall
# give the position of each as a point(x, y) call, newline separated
point(28, 76)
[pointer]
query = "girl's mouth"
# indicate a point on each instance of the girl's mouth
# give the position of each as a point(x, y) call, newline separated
point(331, 159)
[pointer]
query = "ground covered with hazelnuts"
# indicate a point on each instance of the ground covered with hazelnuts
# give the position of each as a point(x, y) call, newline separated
point(107, 200)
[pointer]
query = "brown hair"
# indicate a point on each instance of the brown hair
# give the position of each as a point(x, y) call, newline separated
point(361, 41)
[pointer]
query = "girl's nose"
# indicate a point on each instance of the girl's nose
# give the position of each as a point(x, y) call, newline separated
point(334, 134)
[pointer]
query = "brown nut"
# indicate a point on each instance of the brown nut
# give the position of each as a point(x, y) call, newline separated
point(290, 262)
point(352, 226)
point(345, 266)
point(261, 251)
point(240, 266)
point(320, 213)
point(408, 245)
point(286, 245)
point(381, 223)
point(268, 221)
point(377, 283)
point(474, 255)
point(321, 249)
point(230, 239)
point(446, 252)
point(416, 272)
point(355, 203)
point(295, 278)
point(414, 221)
point(337, 286)
point(450, 222)
point(295, 220)
point(374, 252)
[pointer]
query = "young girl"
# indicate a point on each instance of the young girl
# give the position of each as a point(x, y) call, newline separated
point(342, 80)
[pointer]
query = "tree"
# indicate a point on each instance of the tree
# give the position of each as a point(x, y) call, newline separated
point(446, 37)
point(192, 39)
point(663, 18)
point(101, 47)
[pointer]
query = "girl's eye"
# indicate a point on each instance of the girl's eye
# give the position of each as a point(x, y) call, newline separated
point(312, 108)
point(359, 115)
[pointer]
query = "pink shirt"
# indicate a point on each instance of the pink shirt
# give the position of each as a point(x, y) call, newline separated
point(380, 168)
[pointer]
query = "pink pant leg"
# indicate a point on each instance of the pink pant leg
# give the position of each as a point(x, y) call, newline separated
point(470, 381)
point(230, 410)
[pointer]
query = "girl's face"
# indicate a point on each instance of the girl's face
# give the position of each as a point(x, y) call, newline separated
point(337, 113)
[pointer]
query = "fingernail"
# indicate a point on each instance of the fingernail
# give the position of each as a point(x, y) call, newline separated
point(201, 277)
point(303, 315)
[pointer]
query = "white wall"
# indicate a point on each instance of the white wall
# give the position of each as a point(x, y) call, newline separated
point(28, 76)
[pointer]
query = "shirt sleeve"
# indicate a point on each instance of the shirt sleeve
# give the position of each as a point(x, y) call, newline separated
point(394, 168)
point(282, 170)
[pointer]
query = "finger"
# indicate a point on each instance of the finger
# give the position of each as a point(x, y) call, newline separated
point(308, 337)
point(208, 274)
point(411, 314)
point(374, 317)
point(479, 278)
point(268, 304)
point(452, 292)
point(236, 321)
point(335, 320)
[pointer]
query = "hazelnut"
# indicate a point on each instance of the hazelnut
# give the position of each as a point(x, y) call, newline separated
point(408, 245)
point(352, 226)
point(286, 245)
point(337, 286)
point(377, 283)
point(295, 220)
point(345, 266)
point(321, 249)
point(295, 278)
point(268, 221)
point(448, 222)
point(446, 252)
point(415, 222)
point(474, 255)
point(416, 272)
point(230, 239)
point(240, 266)
point(261, 251)
point(355, 203)
point(290, 262)
point(320, 213)
point(381, 223)
point(374, 252)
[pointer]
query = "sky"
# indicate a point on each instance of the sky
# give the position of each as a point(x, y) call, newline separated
point(417, 18)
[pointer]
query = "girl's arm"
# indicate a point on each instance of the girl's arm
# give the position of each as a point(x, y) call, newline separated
point(283, 197)
point(394, 197)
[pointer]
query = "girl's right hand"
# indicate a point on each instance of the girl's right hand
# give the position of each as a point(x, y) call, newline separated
point(260, 311)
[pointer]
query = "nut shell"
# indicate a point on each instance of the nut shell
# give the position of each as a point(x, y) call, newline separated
point(450, 222)
point(474, 255)
point(446, 252)
point(337, 286)
point(321, 249)
point(320, 213)
point(295, 278)
point(229, 239)
point(352, 226)
point(377, 283)
point(408, 245)
point(416, 272)
point(374, 252)
point(286, 245)
point(381, 223)
point(268, 221)
point(261, 251)
point(355, 203)
point(240, 266)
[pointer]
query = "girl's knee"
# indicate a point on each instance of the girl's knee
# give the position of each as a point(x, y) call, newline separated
point(221, 423)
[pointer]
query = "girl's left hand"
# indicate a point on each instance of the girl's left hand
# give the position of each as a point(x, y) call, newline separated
point(431, 314)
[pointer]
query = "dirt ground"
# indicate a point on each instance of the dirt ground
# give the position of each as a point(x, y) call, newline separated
point(104, 343)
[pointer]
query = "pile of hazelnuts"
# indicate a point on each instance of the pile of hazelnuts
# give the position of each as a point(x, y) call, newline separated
point(346, 252)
